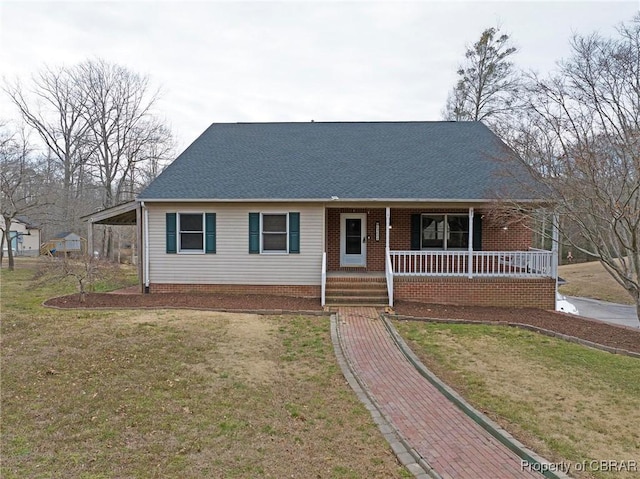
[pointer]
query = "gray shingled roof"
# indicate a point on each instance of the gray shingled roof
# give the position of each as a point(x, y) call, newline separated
point(381, 160)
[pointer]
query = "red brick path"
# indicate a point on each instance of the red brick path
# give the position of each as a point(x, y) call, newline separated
point(452, 443)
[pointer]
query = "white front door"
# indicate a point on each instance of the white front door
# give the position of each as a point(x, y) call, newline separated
point(353, 239)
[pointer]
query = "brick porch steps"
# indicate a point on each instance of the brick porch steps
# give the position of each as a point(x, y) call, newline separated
point(356, 291)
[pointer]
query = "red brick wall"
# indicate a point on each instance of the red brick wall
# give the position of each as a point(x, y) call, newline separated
point(298, 291)
point(508, 292)
point(517, 237)
point(520, 293)
point(375, 249)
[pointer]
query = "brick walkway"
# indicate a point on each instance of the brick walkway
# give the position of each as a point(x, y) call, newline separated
point(453, 444)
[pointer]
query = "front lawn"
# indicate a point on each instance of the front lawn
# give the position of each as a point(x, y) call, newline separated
point(175, 393)
point(565, 401)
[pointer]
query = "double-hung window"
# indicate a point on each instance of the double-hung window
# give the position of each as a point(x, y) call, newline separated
point(274, 233)
point(191, 232)
point(444, 231)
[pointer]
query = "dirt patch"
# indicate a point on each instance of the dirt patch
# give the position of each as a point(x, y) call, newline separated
point(245, 348)
point(583, 328)
point(243, 340)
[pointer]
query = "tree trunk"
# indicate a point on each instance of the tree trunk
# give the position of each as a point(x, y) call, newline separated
point(2, 248)
point(7, 229)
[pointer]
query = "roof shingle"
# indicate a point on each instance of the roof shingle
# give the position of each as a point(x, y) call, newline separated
point(315, 161)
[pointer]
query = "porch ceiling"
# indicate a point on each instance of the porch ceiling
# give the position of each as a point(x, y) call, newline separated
point(124, 214)
point(417, 204)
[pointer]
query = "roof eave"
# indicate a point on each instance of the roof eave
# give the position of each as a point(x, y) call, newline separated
point(343, 200)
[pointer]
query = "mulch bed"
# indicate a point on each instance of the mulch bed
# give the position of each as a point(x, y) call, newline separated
point(187, 300)
point(598, 332)
point(619, 337)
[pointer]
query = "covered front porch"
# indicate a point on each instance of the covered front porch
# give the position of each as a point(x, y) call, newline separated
point(419, 249)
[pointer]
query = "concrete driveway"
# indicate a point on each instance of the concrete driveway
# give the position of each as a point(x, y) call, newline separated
point(610, 312)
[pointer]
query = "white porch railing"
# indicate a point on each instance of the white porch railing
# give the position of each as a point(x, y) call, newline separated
point(530, 264)
point(323, 287)
point(388, 270)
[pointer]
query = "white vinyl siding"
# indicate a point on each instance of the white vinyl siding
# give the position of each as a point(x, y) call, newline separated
point(232, 263)
point(27, 241)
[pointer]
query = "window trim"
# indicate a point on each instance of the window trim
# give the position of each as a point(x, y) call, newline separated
point(286, 232)
point(446, 232)
point(179, 233)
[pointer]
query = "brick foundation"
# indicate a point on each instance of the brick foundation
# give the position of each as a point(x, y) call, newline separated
point(506, 292)
point(519, 293)
point(297, 291)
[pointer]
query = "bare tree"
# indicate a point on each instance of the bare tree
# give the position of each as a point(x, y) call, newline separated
point(19, 183)
point(54, 109)
point(85, 271)
point(122, 128)
point(581, 140)
point(96, 123)
point(123, 131)
point(488, 83)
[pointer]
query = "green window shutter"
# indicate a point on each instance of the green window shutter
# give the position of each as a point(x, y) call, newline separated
point(415, 231)
point(254, 233)
point(172, 239)
point(210, 232)
point(477, 232)
point(294, 232)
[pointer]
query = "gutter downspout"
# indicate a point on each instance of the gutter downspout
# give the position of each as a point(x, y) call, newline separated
point(554, 257)
point(145, 221)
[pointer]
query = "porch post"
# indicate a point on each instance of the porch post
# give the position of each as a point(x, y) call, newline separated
point(89, 251)
point(470, 246)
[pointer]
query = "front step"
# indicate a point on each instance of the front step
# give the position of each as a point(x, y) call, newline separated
point(355, 291)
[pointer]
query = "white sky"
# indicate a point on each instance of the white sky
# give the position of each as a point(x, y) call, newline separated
point(290, 61)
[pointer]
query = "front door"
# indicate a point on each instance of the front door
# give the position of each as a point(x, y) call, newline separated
point(353, 239)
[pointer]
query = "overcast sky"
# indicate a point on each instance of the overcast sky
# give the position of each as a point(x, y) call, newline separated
point(290, 61)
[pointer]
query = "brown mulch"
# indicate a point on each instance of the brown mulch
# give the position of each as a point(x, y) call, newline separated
point(240, 302)
point(619, 337)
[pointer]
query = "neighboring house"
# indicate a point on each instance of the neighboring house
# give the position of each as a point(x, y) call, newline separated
point(345, 212)
point(25, 237)
point(65, 242)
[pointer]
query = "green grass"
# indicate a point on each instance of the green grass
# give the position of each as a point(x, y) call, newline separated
point(189, 394)
point(591, 280)
point(566, 401)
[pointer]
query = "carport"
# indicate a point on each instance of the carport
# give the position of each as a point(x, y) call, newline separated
point(125, 214)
